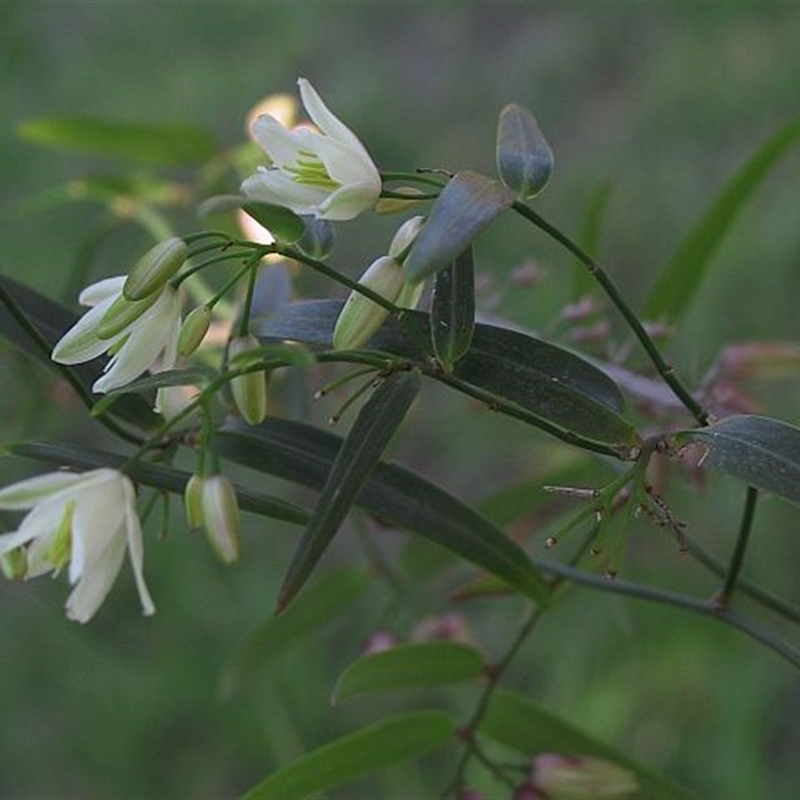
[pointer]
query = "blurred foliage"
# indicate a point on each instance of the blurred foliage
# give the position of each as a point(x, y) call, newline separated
point(666, 100)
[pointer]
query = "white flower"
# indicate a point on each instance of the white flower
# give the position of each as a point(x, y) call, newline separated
point(139, 335)
point(86, 521)
point(327, 174)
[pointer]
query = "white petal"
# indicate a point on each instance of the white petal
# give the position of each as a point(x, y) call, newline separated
point(345, 165)
point(348, 202)
point(81, 343)
point(133, 533)
point(279, 189)
point(102, 290)
point(27, 493)
point(96, 581)
point(146, 342)
point(326, 121)
point(281, 145)
point(11, 541)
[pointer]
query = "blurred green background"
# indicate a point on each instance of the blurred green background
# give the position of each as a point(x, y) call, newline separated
point(666, 100)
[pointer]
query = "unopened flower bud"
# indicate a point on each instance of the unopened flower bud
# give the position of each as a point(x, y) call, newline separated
point(193, 330)
point(155, 268)
point(404, 238)
point(361, 317)
point(249, 390)
point(220, 513)
point(193, 501)
point(122, 313)
point(410, 295)
point(562, 777)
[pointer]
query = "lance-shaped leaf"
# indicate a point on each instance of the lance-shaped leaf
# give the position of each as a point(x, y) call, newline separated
point(369, 750)
point(466, 205)
point(452, 316)
point(517, 722)
point(374, 427)
point(282, 223)
point(763, 452)
point(410, 666)
point(511, 372)
point(524, 158)
point(680, 279)
point(51, 320)
point(332, 596)
point(159, 144)
point(146, 473)
point(304, 454)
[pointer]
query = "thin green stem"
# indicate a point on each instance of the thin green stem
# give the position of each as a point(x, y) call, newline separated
point(705, 608)
point(244, 322)
point(767, 599)
point(392, 195)
point(737, 559)
point(42, 344)
point(664, 370)
point(411, 177)
point(187, 273)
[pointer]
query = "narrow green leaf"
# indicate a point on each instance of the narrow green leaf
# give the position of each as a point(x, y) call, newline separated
point(283, 224)
point(333, 595)
point(511, 372)
point(763, 452)
point(524, 158)
point(159, 144)
point(51, 320)
point(146, 473)
point(452, 318)
point(517, 722)
point(304, 454)
point(589, 238)
point(680, 279)
point(369, 750)
point(374, 427)
point(466, 205)
point(410, 666)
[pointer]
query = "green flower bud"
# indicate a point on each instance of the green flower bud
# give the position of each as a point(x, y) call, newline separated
point(361, 317)
point(410, 295)
point(155, 268)
point(122, 313)
point(562, 777)
point(220, 511)
point(193, 501)
point(250, 390)
point(193, 330)
point(404, 238)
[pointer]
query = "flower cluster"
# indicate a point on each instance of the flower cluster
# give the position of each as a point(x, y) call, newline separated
point(85, 523)
point(81, 522)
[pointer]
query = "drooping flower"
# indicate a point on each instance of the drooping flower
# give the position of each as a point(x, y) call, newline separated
point(220, 515)
point(84, 522)
point(326, 173)
point(139, 334)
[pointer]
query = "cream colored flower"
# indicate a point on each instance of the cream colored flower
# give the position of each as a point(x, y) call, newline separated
point(84, 522)
point(326, 173)
point(140, 335)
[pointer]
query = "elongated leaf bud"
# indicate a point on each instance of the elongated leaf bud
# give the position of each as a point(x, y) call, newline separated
point(155, 268)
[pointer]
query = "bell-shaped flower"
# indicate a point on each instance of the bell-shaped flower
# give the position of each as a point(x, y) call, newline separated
point(139, 335)
point(325, 173)
point(84, 522)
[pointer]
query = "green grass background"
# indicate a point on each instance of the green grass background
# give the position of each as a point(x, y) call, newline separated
point(664, 98)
